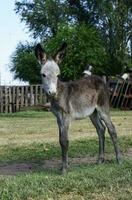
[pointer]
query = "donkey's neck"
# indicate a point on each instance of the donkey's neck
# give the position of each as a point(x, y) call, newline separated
point(59, 102)
point(61, 88)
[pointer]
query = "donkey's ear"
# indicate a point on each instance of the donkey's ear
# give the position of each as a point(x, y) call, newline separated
point(60, 53)
point(40, 54)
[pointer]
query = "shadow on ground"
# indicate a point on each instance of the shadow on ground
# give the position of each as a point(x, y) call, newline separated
point(29, 167)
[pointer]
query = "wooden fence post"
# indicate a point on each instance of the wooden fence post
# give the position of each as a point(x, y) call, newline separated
point(1, 99)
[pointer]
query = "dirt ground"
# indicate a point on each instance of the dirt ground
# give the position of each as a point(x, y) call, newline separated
point(17, 168)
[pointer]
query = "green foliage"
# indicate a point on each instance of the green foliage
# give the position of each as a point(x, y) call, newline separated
point(84, 47)
point(41, 17)
point(24, 64)
point(115, 25)
point(80, 23)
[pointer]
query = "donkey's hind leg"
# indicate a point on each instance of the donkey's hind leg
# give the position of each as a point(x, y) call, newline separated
point(101, 134)
point(112, 131)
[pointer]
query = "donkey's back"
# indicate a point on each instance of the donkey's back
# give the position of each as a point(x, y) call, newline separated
point(85, 95)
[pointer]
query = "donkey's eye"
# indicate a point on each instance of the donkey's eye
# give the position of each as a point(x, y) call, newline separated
point(43, 75)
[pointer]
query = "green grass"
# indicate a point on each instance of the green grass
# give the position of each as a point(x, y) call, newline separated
point(41, 151)
point(108, 181)
point(31, 141)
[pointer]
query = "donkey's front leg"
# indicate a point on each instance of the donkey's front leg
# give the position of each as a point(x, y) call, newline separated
point(63, 125)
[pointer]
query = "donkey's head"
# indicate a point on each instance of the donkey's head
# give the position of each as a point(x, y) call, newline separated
point(49, 68)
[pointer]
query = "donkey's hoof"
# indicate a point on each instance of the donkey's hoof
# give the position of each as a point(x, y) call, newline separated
point(63, 171)
point(100, 161)
point(119, 161)
point(119, 158)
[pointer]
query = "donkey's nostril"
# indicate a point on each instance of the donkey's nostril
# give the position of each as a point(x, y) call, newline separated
point(51, 93)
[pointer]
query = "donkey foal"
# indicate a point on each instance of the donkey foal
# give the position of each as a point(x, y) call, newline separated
point(76, 100)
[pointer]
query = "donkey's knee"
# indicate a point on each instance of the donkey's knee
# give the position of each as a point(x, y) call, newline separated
point(112, 130)
point(102, 130)
point(64, 143)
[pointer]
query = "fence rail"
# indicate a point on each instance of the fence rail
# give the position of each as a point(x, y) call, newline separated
point(12, 98)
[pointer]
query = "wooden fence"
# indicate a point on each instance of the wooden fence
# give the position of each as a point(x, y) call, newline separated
point(12, 98)
point(121, 94)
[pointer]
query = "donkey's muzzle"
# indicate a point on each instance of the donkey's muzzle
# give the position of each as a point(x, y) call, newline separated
point(51, 94)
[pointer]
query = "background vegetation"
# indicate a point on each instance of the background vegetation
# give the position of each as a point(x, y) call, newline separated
point(97, 32)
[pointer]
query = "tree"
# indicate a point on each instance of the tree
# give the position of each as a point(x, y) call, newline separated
point(24, 64)
point(76, 21)
point(114, 22)
point(84, 47)
point(42, 17)
point(82, 11)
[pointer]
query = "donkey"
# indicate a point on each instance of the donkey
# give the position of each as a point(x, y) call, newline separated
point(87, 97)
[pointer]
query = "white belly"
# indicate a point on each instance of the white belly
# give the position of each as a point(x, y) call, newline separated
point(82, 113)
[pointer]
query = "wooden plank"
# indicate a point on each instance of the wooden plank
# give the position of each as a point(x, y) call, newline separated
point(22, 97)
point(117, 92)
point(17, 98)
point(128, 96)
point(36, 95)
point(31, 96)
point(13, 99)
point(120, 94)
point(40, 94)
point(1, 99)
point(26, 95)
point(9, 100)
point(124, 96)
point(6, 99)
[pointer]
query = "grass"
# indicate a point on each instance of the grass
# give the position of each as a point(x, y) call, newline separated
point(30, 158)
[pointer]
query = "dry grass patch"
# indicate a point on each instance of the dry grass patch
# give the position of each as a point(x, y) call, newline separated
point(28, 127)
